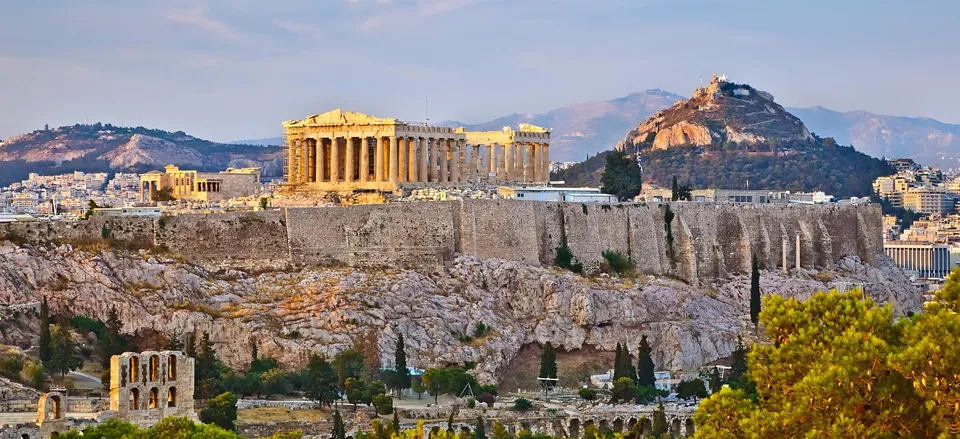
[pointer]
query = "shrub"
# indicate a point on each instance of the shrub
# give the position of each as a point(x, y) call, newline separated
point(383, 404)
point(522, 404)
point(565, 260)
point(588, 394)
point(487, 398)
point(220, 411)
point(480, 329)
point(617, 261)
point(471, 403)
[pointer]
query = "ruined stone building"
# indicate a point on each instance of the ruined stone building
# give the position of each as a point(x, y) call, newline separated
point(201, 186)
point(144, 389)
point(345, 151)
point(149, 386)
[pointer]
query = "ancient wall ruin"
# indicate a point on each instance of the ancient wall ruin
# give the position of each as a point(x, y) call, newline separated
point(149, 386)
point(701, 240)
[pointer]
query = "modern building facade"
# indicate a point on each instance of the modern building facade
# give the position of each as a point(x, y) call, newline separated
point(928, 200)
point(927, 260)
point(345, 151)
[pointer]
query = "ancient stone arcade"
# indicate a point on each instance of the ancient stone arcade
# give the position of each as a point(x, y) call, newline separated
point(150, 386)
point(144, 388)
point(345, 151)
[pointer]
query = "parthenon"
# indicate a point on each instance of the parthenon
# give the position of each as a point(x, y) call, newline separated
point(345, 151)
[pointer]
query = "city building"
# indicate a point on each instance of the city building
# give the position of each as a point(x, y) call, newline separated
point(345, 151)
point(200, 186)
point(544, 193)
point(924, 259)
point(928, 200)
point(738, 196)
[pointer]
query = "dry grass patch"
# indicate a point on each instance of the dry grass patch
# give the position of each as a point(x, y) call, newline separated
point(273, 414)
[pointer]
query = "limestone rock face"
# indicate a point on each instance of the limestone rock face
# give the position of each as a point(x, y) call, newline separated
point(147, 150)
point(291, 314)
point(723, 111)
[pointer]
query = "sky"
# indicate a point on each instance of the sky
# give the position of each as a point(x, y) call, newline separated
point(229, 70)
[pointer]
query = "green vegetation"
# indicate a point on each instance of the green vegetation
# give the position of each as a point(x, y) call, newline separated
point(795, 166)
point(44, 343)
point(621, 176)
point(841, 366)
point(588, 394)
point(616, 262)
point(64, 353)
point(566, 260)
point(680, 192)
point(694, 388)
point(755, 292)
point(668, 216)
point(480, 329)
point(401, 375)
point(645, 372)
point(167, 428)
point(522, 404)
point(220, 411)
point(450, 380)
point(164, 194)
point(548, 362)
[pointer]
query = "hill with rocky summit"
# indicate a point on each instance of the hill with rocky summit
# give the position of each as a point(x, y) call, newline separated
point(104, 148)
point(733, 136)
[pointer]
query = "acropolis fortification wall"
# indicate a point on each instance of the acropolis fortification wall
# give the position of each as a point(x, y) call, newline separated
point(708, 239)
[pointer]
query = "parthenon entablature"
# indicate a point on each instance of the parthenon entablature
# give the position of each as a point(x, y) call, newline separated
point(345, 151)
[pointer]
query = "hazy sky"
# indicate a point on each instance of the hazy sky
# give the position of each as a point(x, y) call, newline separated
point(227, 70)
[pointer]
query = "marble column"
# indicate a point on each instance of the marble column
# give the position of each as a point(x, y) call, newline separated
point(348, 159)
point(783, 248)
point(402, 159)
point(321, 154)
point(798, 250)
point(508, 157)
point(334, 159)
point(502, 158)
point(444, 159)
point(424, 158)
point(412, 159)
point(434, 148)
point(492, 163)
point(378, 159)
point(364, 159)
point(302, 165)
point(537, 162)
point(393, 159)
point(528, 163)
point(546, 162)
point(520, 160)
point(474, 163)
point(292, 146)
point(456, 161)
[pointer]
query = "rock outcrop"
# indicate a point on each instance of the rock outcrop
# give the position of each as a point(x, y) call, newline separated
point(300, 311)
point(723, 111)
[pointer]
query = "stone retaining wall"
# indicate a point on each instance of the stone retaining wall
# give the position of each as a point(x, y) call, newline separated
point(706, 240)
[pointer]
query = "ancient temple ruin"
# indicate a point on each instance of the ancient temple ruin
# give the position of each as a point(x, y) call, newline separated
point(346, 151)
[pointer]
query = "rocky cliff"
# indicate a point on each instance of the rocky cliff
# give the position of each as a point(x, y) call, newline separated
point(721, 112)
point(295, 312)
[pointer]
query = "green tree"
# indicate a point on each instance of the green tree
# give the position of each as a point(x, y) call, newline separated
point(832, 371)
point(738, 368)
point(339, 432)
point(401, 375)
point(691, 389)
point(660, 426)
point(624, 390)
point(500, 432)
point(621, 176)
point(680, 192)
point(395, 424)
point(522, 404)
point(548, 362)
point(220, 411)
point(164, 194)
point(755, 292)
point(113, 343)
point(588, 394)
point(418, 388)
point(479, 432)
point(64, 355)
point(383, 403)
point(437, 380)
point(44, 344)
point(618, 371)
point(349, 364)
point(645, 372)
point(320, 381)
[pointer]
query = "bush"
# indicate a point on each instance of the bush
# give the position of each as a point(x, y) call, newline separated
point(383, 404)
point(522, 404)
point(617, 261)
point(220, 411)
point(471, 403)
point(480, 329)
point(84, 324)
point(565, 260)
point(692, 388)
point(34, 374)
point(588, 394)
point(487, 398)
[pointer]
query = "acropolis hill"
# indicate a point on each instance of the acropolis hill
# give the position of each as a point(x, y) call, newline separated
point(312, 279)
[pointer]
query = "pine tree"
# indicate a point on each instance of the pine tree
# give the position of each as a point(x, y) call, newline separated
point(395, 424)
point(191, 345)
point(64, 355)
point(755, 293)
point(618, 364)
point(113, 343)
point(645, 375)
point(401, 376)
point(621, 176)
point(339, 432)
point(254, 351)
point(44, 345)
point(548, 362)
point(480, 431)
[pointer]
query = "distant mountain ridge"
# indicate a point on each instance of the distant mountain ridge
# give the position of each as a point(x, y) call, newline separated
point(107, 148)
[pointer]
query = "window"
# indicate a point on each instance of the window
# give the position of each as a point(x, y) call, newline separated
point(134, 399)
point(154, 397)
point(172, 397)
point(172, 367)
point(134, 368)
point(154, 367)
point(56, 409)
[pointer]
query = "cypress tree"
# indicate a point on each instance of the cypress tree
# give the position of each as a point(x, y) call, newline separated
point(401, 376)
point(675, 190)
point(548, 362)
point(618, 364)
point(114, 343)
point(645, 376)
point(450, 423)
point(44, 344)
point(660, 426)
point(395, 424)
point(755, 293)
point(480, 432)
point(338, 431)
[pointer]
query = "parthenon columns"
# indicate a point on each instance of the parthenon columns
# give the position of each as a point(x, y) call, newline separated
point(424, 158)
point(412, 159)
point(528, 164)
point(393, 159)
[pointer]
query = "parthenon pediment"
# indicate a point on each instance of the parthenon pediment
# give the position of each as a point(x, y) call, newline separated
point(531, 128)
point(339, 117)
